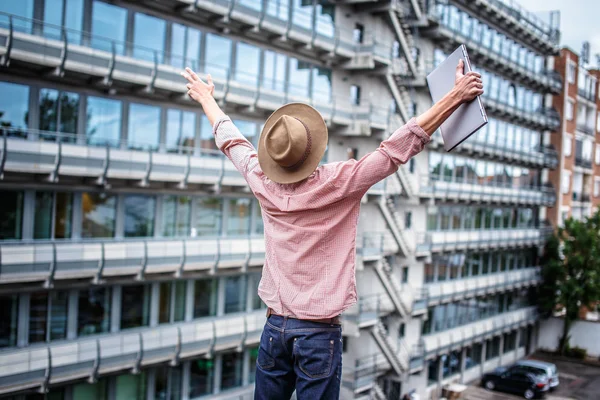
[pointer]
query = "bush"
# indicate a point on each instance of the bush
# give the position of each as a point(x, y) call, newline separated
point(576, 352)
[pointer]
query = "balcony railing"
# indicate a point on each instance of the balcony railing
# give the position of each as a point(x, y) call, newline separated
point(585, 128)
point(542, 156)
point(586, 94)
point(442, 241)
point(581, 197)
point(40, 365)
point(485, 54)
point(476, 190)
point(546, 118)
point(46, 261)
point(374, 245)
point(582, 162)
point(457, 289)
point(475, 331)
point(369, 308)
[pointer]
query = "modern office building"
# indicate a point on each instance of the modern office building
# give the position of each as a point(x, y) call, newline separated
point(131, 250)
point(577, 140)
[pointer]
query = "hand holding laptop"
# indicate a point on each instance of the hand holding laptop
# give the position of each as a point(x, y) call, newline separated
point(467, 86)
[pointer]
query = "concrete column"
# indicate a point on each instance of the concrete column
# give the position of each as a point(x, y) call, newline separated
point(150, 383)
point(463, 364)
point(221, 297)
point(154, 302)
point(115, 314)
point(72, 313)
point(185, 380)
point(23, 320)
point(189, 301)
point(218, 372)
point(246, 367)
point(501, 349)
point(483, 351)
point(440, 372)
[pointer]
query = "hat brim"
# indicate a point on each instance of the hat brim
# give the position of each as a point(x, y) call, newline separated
point(318, 132)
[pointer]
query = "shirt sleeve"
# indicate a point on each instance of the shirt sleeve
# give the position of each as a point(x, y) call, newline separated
point(356, 177)
point(235, 146)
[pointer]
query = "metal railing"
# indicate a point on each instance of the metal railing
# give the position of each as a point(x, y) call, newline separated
point(585, 128)
point(582, 162)
point(586, 94)
point(581, 197)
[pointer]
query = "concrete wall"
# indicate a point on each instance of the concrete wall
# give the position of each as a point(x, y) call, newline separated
point(584, 334)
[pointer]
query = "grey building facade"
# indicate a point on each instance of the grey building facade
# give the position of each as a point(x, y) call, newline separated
point(131, 249)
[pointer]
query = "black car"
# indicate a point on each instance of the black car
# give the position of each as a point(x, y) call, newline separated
point(514, 380)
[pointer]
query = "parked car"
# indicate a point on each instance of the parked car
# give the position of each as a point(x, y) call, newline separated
point(540, 367)
point(514, 380)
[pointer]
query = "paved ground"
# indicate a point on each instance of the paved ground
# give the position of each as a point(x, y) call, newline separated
point(577, 381)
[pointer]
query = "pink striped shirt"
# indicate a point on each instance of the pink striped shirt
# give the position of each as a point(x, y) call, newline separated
point(310, 226)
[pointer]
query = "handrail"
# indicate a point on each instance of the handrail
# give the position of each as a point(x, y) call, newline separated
point(5, 60)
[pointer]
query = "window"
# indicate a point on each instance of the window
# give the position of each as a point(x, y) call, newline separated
point(253, 352)
point(185, 47)
point(208, 216)
point(48, 316)
point(407, 219)
point(355, 95)
point(358, 33)
point(181, 131)
point(247, 64)
point(168, 381)
point(135, 306)
point(91, 391)
point(404, 274)
point(597, 154)
point(218, 56)
point(93, 315)
point(259, 223)
point(570, 72)
point(201, 377)
point(235, 294)
point(109, 25)
point(103, 118)
point(131, 386)
point(59, 112)
point(232, 365)
point(598, 121)
point(52, 215)
point(148, 37)
point(144, 127)
point(299, 78)
point(14, 107)
point(257, 303)
point(8, 328)
point(597, 187)
point(566, 182)
point(321, 84)
point(569, 109)
point(274, 71)
point(568, 144)
point(176, 215)
point(402, 331)
point(139, 216)
point(238, 220)
point(473, 356)
point(55, 14)
point(205, 298)
point(171, 303)
point(11, 214)
point(99, 212)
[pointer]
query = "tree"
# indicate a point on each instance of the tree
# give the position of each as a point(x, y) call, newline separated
point(571, 272)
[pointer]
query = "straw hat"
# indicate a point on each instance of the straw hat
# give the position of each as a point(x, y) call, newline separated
point(292, 143)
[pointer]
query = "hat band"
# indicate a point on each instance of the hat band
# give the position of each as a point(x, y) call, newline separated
point(306, 150)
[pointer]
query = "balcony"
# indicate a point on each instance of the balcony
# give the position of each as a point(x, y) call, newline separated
point(367, 311)
point(546, 119)
point(96, 260)
point(149, 73)
point(582, 162)
point(587, 94)
point(545, 157)
point(372, 246)
point(40, 365)
point(477, 192)
point(523, 25)
point(482, 239)
point(581, 197)
point(458, 289)
point(497, 60)
point(585, 128)
point(465, 335)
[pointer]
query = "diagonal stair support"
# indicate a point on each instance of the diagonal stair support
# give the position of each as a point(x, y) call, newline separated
point(386, 205)
point(405, 40)
point(399, 358)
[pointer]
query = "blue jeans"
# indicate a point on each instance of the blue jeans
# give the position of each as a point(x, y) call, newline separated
point(301, 355)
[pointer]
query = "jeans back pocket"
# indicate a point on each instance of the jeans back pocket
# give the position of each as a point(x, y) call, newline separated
point(315, 356)
point(265, 359)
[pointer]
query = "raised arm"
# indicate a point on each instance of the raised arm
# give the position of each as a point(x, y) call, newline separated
point(358, 176)
point(227, 137)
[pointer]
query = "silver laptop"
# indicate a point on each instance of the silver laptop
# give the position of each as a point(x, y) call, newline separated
point(469, 117)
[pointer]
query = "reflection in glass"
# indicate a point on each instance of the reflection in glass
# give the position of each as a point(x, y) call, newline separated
point(42, 306)
point(171, 303)
point(109, 27)
point(205, 298)
point(168, 382)
point(201, 377)
point(207, 139)
point(176, 215)
point(135, 306)
point(299, 77)
point(99, 212)
point(273, 71)
point(218, 56)
point(238, 220)
point(139, 216)
point(14, 106)
point(208, 216)
point(11, 214)
point(58, 113)
point(235, 294)
point(232, 370)
point(8, 328)
point(56, 16)
point(321, 84)
point(91, 391)
point(259, 226)
point(130, 386)
point(143, 130)
point(103, 121)
point(247, 64)
point(148, 38)
point(181, 131)
point(93, 315)
point(47, 225)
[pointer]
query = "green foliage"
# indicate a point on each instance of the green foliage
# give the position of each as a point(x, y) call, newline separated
point(571, 271)
point(576, 352)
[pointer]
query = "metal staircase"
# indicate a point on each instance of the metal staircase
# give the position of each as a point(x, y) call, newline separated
point(386, 205)
point(402, 303)
point(404, 36)
point(376, 392)
point(398, 358)
point(405, 181)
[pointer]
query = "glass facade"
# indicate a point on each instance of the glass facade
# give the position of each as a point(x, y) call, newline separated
point(218, 56)
point(14, 106)
point(11, 214)
point(103, 121)
point(208, 216)
point(135, 306)
point(58, 112)
point(9, 309)
point(176, 214)
point(93, 314)
point(131, 386)
point(109, 27)
point(181, 131)
point(201, 377)
point(148, 38)
point(185, 46)
point(139, 216)
point(143, 131)
point(232, 365)
point(48, 316)
point(238, 219)
point(67, 13)
point(205, 298)
point(446, 218)
point(53, 215)
point(99, 214)
point(171, 303)
point(235, 294)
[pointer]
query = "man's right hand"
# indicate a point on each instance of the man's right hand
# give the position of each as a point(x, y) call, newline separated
point(466, 86)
